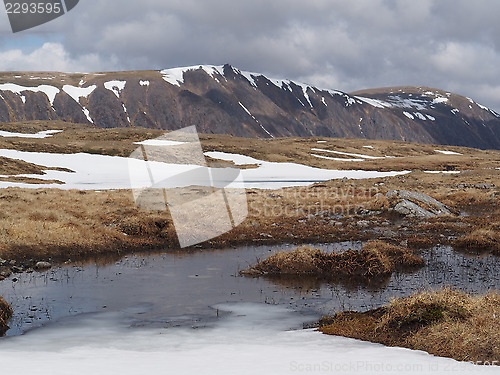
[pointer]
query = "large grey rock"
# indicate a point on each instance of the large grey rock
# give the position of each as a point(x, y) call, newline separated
point(408, 208)
point(43, 265)
point(413, 204)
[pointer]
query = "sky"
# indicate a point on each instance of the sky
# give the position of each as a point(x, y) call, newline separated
point(345, 45)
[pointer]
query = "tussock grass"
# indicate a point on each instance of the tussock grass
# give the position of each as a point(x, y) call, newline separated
point(445, 323)
point(376, 259)
point(484, 239)
point(58, 224)
point(5, 315)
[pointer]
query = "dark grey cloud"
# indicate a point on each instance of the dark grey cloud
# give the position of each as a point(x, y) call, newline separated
point(339, 44)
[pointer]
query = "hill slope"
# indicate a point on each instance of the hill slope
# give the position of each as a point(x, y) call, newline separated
point(225, 100)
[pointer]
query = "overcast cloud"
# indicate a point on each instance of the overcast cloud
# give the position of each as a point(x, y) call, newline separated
point(340, 44)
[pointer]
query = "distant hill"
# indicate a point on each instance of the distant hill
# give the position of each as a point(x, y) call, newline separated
point(225, 100)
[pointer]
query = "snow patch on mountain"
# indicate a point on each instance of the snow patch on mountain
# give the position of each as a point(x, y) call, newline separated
point(50, 91)
point(78, 92)
point(115, 86)
point(374, 102)
point(409, 115)
point(175, 76)
point(257, 121)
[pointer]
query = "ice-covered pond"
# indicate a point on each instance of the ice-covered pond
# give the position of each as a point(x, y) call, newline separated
point(190, 313)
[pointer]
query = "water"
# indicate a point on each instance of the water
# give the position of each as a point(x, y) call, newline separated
point(192, 314)
point(171, 290)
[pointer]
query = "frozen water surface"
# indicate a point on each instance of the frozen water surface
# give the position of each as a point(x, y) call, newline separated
point(190, 313)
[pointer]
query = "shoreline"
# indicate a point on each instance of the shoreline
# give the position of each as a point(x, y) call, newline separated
point(5, 314)
point(446, 323)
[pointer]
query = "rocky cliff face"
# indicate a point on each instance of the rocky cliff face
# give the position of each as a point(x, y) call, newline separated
point(222, 99)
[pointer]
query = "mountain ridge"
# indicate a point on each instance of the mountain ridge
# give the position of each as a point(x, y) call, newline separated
point(226, 100)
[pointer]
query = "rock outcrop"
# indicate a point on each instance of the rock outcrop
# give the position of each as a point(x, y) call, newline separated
point(413, 204)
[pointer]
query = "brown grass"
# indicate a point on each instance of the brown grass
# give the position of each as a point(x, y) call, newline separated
point(76, 138)
point(119, 141)
point(408, 156)
point(445, 323)
point(58, 224)
point(326, 212)
point(480, 240)
point(5, 315)
point(375, 260)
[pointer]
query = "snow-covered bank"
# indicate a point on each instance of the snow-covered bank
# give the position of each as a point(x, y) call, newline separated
point(97, 172)
point(254, 338)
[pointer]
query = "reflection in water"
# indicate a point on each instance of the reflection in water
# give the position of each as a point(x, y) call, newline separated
point(168, 290)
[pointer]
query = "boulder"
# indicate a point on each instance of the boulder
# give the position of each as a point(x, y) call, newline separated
point(413, 204)
point(43, 265)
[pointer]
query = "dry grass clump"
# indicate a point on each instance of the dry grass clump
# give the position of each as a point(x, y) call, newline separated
point(480, 240)
point(418, 242)
point(5, 315)
point(446, 323)
point(12, 167)
point(62, 225)
point(376, 259)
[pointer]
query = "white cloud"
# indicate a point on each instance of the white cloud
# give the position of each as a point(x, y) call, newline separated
point(50, 56)
point(448, 44)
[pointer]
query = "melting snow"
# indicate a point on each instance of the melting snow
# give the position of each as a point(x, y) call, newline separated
point(257, 121)
point(100, 172)
point(86, 112)
point(125, 110)
point(144, 83)
point(175, 76)
point(375, 102)
point(440, 100)
point(323, 101)
point(489, 110)
point(115, 86)
point(431, 118)
point(336, 159)
point(349, 101)
point(418, 104)
point(447, 152)
point(159, 142)
point(50, 91)
point(369, 147)
point(420, 116)
point(78, 92)
point(248, 339)
point(246, 110)
point(271, 175)
point(396, 101)
point(41, 134)
point(304, 90)
point(409, 115)
point(455, 111)
point(348, 154)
